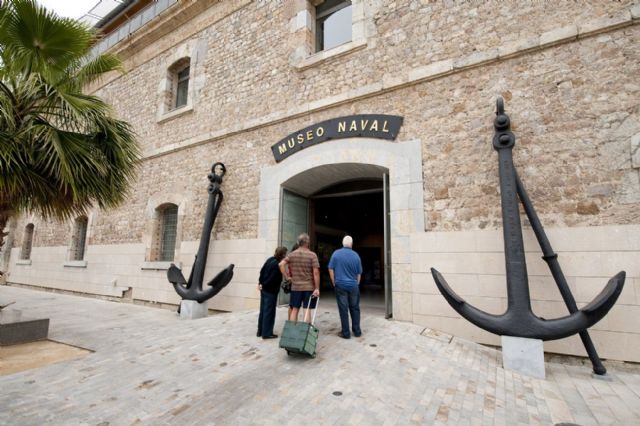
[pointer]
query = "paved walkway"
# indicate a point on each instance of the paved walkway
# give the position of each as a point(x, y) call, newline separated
point(151, 368)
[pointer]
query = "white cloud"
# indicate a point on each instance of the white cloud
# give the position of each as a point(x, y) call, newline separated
point(68, 8)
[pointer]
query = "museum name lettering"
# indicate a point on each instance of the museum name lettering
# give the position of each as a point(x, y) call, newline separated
point(354, 126)
point(367, 125)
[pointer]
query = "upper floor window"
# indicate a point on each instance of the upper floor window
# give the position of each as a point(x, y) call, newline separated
point(79, 238)
point(168, 226)
point(333, 24)
point(181, 81)
point(325, 29)
point(178, 76)
point(27, 242)
point(182, 87)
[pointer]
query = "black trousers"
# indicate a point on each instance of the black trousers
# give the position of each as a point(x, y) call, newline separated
point(267, 316)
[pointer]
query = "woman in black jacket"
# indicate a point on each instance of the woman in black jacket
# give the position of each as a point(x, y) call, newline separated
point(269, 286)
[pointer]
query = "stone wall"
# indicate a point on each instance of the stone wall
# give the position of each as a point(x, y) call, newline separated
point(119, 271)
point(472, 262)
point(574, 116)
point(246, 55)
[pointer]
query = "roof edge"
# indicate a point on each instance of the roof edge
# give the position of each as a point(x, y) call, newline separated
point(115, 13)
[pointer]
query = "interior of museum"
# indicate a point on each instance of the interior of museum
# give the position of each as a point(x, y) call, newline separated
point(353, 208)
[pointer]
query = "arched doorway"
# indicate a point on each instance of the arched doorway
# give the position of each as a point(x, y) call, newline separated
point(334, 200)
point(327, 171)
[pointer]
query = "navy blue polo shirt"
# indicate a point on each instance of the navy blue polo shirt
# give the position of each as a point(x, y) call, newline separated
point(346, 267)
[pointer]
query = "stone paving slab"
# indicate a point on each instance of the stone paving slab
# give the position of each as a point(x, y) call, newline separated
point(150, 368)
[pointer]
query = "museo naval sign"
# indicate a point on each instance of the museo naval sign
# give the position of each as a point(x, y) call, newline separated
point(377, 126)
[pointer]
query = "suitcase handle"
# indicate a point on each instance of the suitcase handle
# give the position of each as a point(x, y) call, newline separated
point(315, 311)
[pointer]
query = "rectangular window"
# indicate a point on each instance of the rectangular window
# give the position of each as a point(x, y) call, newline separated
point(27, 242)
point(182, 90)
point(79, 239)
point(333, 24)
point(168, 233)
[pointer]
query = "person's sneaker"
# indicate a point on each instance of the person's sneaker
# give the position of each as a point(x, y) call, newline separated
point(258, 334)
point(357, 334)
point(273, 336)
point(344, 336)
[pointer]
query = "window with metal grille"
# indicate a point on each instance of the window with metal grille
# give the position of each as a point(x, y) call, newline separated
point(333, 24)
point(182, 88)
point(27, 242)
point(79, 238)
point(168, 228)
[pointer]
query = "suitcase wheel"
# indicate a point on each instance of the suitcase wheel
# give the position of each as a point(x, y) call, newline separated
point(288, 353)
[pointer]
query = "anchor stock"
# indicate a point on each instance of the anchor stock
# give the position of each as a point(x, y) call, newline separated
point(551, 258)
point(519, 320)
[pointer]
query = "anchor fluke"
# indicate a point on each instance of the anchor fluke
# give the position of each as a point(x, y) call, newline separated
point(448, 293)
point(522, 322)
point(219, 282)
point(484, 320)
point(174, 274)
point(604, 301)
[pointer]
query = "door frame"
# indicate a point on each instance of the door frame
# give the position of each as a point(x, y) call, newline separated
point(283, 298)
point(386, 214)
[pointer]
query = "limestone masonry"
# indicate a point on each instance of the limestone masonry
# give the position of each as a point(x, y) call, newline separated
point(568, 72)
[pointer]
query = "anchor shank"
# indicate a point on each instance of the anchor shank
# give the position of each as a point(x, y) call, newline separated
point(516, 267)
point(213, 204)
point(551, 258)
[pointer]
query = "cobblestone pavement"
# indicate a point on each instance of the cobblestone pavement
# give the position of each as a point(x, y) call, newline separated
point(151, 368)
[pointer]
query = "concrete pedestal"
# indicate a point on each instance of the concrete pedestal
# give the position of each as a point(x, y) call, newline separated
point(17, 328)
point(526, 356)
point(190, 309)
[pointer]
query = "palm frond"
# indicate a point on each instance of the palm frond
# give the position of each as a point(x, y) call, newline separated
point(42, 42)
point(95, 68)
point(61, 151)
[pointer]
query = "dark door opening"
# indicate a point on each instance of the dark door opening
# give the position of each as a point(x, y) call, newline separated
point(353, 208)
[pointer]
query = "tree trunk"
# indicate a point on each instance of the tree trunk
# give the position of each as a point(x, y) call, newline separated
point(4, 219)
point(5, 215)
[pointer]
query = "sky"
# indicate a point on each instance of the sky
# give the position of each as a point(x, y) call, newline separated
point(69, 8)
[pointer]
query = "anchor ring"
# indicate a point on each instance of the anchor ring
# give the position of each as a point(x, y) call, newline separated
point(218, 169)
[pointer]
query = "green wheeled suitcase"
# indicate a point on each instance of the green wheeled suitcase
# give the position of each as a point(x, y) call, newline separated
point(300, 337)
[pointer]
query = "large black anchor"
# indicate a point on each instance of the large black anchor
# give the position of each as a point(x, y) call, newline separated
point(192, 289)
point(519, 320)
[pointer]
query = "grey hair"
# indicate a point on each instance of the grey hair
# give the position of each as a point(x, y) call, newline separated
point(347, 241)
point(303, 239)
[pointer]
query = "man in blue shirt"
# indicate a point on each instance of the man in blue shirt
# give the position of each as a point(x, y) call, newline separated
point(345, 270)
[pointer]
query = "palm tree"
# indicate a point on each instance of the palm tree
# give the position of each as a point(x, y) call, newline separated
point(61, 151)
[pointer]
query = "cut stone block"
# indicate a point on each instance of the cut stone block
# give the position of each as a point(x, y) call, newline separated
point(17, 328)
point(190, 309)
point(526, 356)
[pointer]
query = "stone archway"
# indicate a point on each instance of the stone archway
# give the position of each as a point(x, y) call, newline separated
point(403, 160)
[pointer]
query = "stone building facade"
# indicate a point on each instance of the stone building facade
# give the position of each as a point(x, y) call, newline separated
point(568, 72)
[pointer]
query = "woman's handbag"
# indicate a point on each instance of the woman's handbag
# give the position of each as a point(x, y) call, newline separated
point(286, 287)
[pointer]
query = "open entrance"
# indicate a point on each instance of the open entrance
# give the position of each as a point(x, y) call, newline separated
point(329, 202)
point(356, 209)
